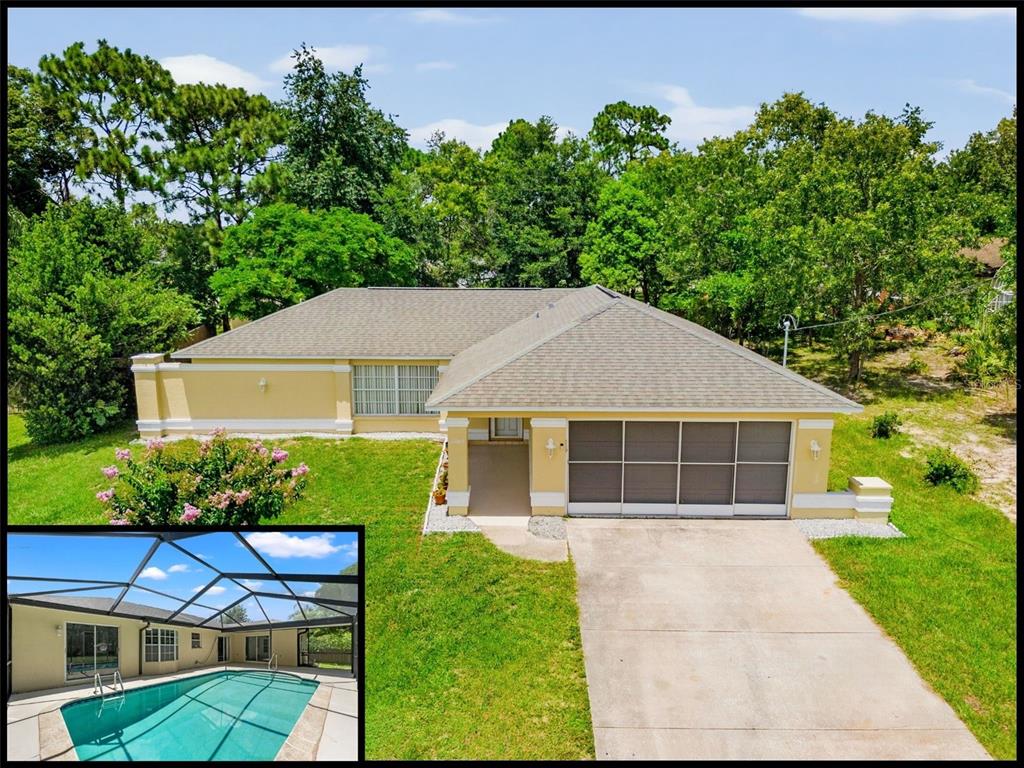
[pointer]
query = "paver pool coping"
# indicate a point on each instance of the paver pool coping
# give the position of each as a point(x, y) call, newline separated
point(301, 744)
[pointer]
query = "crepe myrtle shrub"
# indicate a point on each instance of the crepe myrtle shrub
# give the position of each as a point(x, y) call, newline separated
point(213, 481)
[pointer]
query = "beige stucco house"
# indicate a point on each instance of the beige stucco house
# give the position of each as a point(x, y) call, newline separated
point(571, 401)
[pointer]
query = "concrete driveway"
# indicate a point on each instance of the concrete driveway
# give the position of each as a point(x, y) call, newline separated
point(730, 639)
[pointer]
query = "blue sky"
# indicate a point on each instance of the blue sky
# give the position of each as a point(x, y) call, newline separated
point(469, 71)
point(115, 557)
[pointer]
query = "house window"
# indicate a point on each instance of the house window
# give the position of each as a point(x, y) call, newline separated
point(161, 645)
point(195, 640)
point(391, 390)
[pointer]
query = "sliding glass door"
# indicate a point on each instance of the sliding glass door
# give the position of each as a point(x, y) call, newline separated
point(89, 648)
point(257, 648)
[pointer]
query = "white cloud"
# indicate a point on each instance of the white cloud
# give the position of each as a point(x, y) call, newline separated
point(310, 593)
point(153, 573)
point(178, 568)
point(200, 68)
point(430, 66)
point(970, 86)
point(900, 15)
point(251, 584)
point(692, 123)
point(477, 136)
point(277, 544)
point(216, 590)
point(344, 57)
point(444, 16)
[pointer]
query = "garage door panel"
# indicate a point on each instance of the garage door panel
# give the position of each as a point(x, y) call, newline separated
point(595, 441)
point(711, 442)
point(761, 483)
point(595, 482)
point(763, 441)
point(649, 484)
point(652, 441)
point(704, 484)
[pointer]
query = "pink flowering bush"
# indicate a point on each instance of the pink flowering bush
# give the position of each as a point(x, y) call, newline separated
point(214, 482)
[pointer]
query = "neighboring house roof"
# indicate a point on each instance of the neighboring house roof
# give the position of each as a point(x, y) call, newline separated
point(597, 349)
point(379, 322)
point(125, 608)
point(987, 254)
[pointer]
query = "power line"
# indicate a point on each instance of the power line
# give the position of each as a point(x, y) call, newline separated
point(888, 312)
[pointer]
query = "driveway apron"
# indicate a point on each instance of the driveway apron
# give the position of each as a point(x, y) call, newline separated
point(731, 639)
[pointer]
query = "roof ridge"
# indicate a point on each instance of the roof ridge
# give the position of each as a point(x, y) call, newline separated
point(278, 313)
point(729, 346)
point(579, 320)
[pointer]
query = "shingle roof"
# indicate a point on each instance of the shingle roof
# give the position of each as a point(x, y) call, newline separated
point(124, 608)
point(379, 322)
point(598, 349)
point(988, 254)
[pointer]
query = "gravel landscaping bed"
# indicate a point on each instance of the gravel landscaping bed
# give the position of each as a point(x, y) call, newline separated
point(547, 526)
point(829, 529)
point(439, 521)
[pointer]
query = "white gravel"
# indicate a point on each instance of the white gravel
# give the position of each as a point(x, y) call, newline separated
point(547, 526)
point(830, 529)
point(439, 521)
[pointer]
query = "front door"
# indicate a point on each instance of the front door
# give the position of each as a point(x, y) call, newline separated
point(507, 428)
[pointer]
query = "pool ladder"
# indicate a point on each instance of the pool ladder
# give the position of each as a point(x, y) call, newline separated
point(272, 663)
point(117, 690)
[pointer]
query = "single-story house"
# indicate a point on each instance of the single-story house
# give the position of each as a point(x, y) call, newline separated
point(568, 401)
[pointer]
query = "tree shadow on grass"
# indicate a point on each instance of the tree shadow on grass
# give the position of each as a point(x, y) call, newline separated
point(1006, 423)
point(120, 433)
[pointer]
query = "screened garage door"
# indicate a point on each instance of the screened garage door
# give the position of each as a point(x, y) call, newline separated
point(679, 468)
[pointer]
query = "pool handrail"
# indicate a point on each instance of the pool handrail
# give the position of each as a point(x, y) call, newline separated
point(272, 661)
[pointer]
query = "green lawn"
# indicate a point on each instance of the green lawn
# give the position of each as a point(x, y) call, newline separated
point(947, 594)
point(471, 653)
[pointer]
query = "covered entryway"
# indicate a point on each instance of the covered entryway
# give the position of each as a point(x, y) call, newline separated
point(499, 478)
point(713, 468)
point(726, 639)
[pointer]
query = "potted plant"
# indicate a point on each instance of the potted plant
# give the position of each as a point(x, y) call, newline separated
point(440, 492)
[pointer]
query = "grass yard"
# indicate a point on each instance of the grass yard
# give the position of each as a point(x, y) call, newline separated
point(947, 594)
point(471, 653)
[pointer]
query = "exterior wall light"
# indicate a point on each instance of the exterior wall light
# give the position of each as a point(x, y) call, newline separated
point(262, 385)
point(58, 630)
point(550, 446)
point(815, 449)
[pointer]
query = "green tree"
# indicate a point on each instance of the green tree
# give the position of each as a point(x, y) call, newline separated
point(40, 164)
point(237, 614)
point(624, 245)
point(118, 98)
point(623, 132)
point(81, 300)
point(284, 254)
point(339, 150)
point(221, 142)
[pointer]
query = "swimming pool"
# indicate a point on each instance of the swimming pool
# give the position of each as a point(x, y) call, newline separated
point(228, 715)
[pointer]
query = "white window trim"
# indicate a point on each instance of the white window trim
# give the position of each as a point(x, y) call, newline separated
point(159, 644)
point(396, 391)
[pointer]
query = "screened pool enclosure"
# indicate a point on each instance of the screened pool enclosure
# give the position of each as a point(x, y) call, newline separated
point(188, 589)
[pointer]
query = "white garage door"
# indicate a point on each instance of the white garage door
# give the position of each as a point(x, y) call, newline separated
point(679, 468)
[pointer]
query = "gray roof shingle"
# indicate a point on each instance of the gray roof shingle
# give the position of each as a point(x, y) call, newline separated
point(379, 322)
point(597, 349)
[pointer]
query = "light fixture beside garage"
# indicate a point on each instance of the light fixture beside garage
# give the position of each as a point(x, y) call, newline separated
point(815, 449)
point(261, 385)
point(550, 446)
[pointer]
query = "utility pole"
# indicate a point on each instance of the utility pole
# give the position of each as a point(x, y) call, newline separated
point(787, 323)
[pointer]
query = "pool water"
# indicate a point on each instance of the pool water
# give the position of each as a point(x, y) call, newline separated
point(219, 716)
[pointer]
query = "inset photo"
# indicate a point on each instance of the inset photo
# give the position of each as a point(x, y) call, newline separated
point(182, 645)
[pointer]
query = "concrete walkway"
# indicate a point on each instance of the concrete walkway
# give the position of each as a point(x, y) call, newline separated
point(511, 533)
point(730, 639)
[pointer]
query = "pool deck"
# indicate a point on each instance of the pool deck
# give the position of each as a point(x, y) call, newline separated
point(328, 728)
